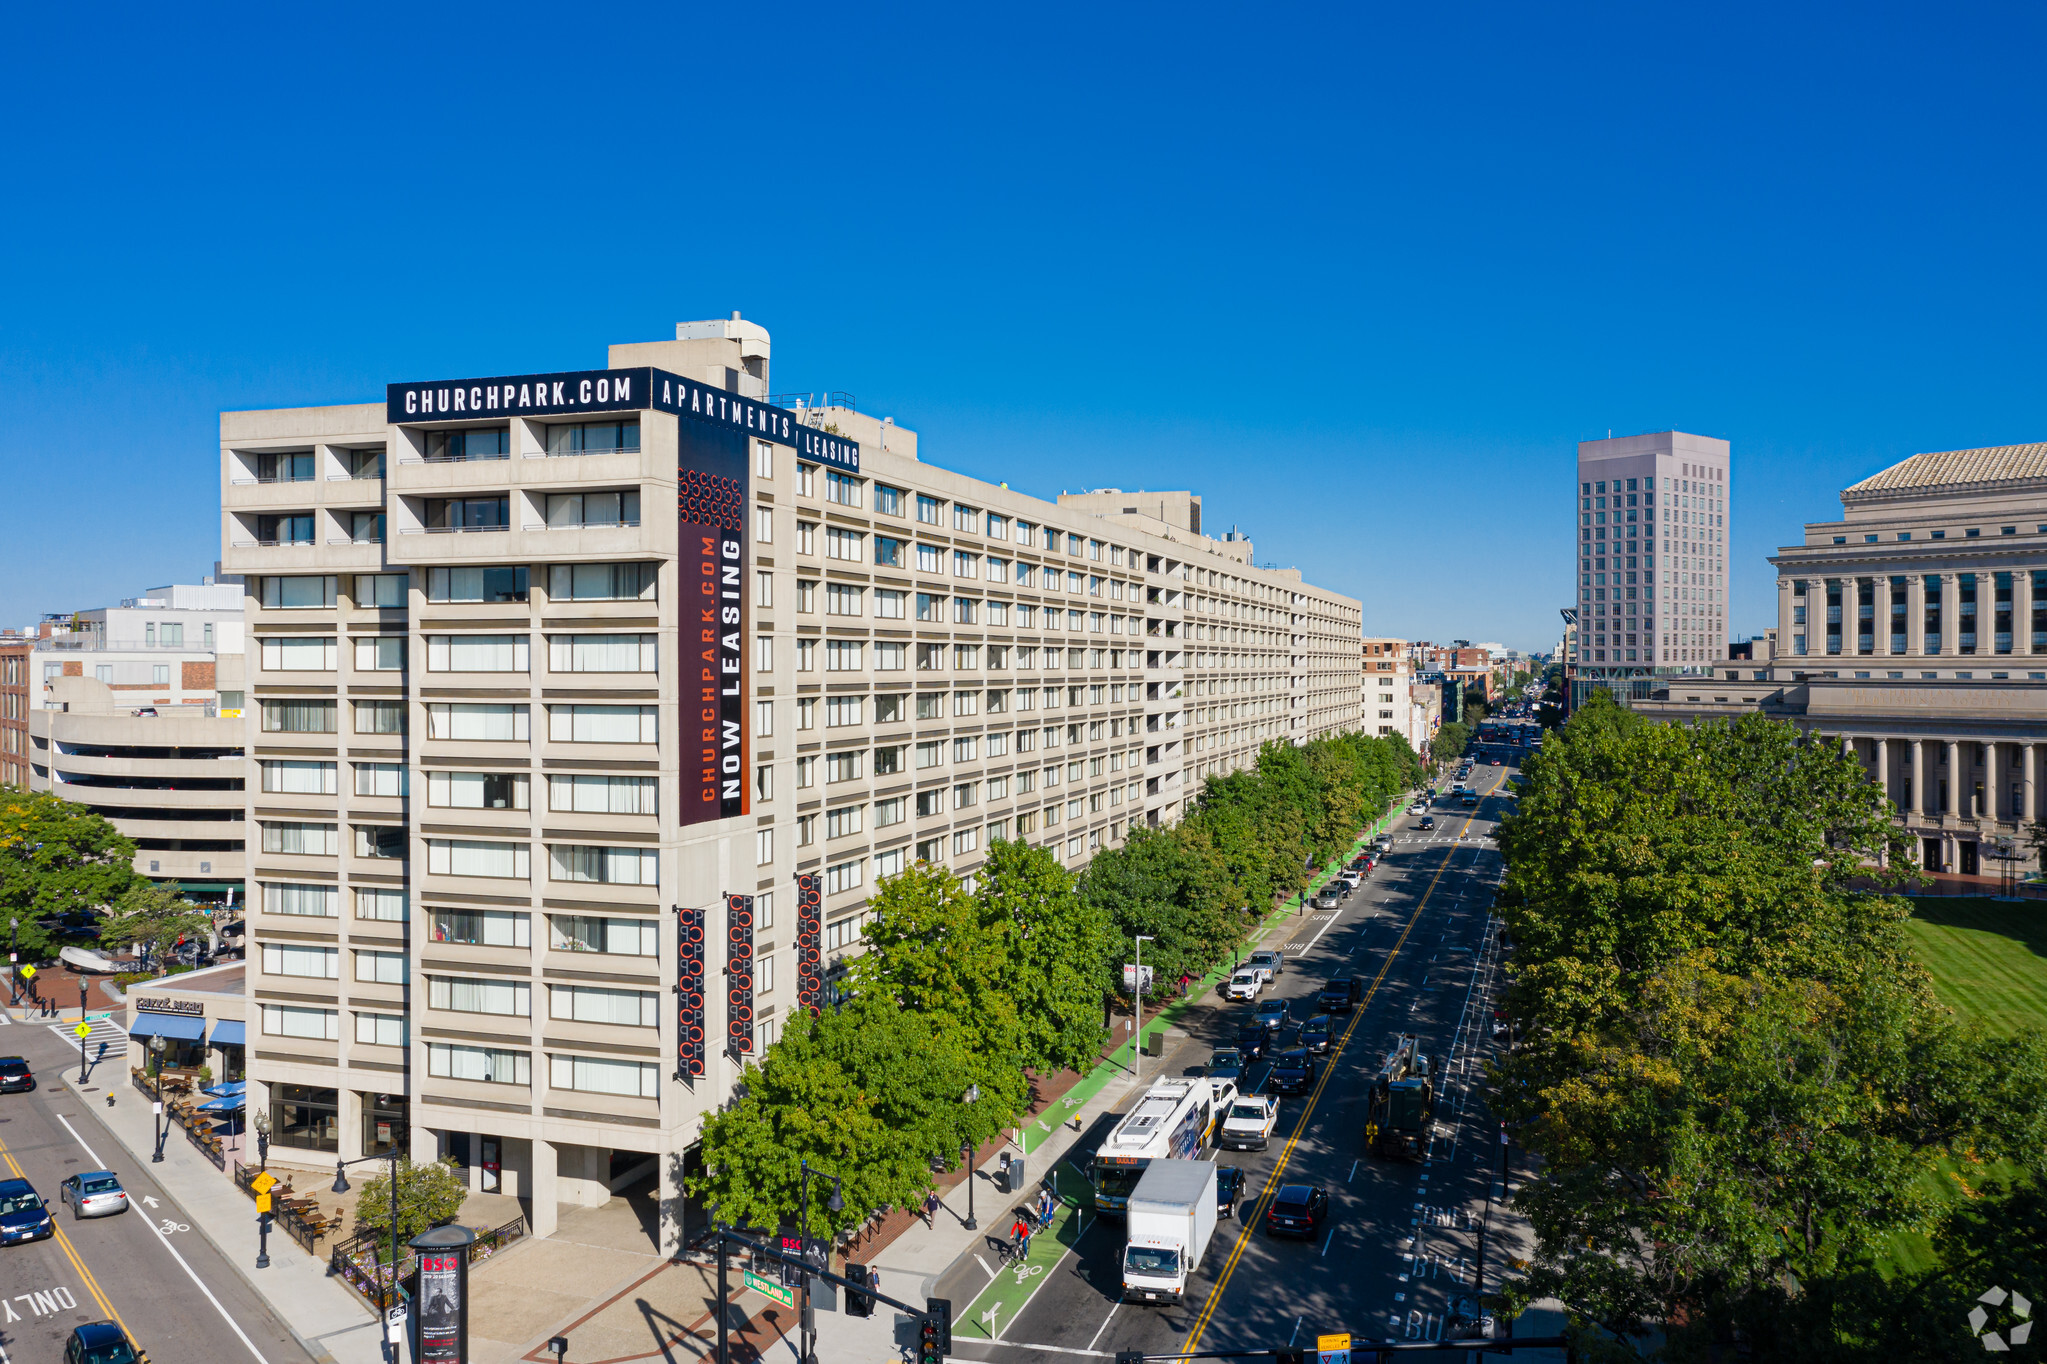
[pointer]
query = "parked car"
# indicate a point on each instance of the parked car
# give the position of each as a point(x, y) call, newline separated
point(15, 1076)
point(1331, 895)
point(93, 1193)
point(24, 1214)
point(1243, 985)
point(1297, 1210)
point(101, 1342)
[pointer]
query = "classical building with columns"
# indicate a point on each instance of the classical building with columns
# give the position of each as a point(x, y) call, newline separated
point(1915, 628)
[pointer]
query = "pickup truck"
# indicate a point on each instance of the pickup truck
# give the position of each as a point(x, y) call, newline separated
point(1271, 962)
point(1248, 1124)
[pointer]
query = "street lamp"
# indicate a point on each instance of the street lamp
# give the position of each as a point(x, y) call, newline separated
point(13, 958)
point(156, 1046)
point(967, 1159)
point(836, 1204)
point(262, 1123)
point(341, 1187)
point(82, 1030)
point(1137, 1000)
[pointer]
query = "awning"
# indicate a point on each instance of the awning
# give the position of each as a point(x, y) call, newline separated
point(221, 1091)
point(228, 1032)
point(233, 1103)
point(177, 1027)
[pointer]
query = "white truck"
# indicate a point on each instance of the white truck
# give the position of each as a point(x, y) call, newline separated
point(1248, 1122)
point(1172, 1218)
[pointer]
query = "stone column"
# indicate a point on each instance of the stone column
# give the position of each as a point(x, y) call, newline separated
point(1918, 798)
point(543, 1203)
point(2029, 754)
point(1883, 766)
point(1953, 751)
point(672, 1201)
point(2021, 611)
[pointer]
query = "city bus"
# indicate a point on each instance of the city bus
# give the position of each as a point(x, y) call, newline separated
point(1173, 1120)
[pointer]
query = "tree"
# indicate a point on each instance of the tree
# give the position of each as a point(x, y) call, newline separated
point(932, 949)
point(1452, 736)
point(154, 917)
point(1056, 963)
point(429, 1195)
point(57, 857)
point(1733, 1070)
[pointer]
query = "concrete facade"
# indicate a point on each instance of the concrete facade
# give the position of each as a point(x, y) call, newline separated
point(1914, 628)
point(464, 673)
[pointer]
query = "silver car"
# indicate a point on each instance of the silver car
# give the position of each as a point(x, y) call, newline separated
point(94, 1193)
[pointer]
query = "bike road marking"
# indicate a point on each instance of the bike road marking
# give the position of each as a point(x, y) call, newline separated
point(182, 1262)
point(1222, 1280)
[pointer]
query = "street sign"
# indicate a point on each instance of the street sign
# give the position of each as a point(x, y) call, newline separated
point(1137, 977)
point(263, 1202)
point(264, 1182)
point(27, 972)
point(82, 1030)
point(1333, 1349)
point(394, 1324)
point(768, 1288)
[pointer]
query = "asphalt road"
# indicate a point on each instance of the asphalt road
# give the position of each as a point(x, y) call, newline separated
point(1402, 1239)
point(145, 1268)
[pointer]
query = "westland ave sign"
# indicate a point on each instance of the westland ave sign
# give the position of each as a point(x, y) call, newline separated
point(712, 477)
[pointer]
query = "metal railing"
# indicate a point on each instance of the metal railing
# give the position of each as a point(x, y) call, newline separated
point(357, 1263)
point(450, 530)
point(834, 397)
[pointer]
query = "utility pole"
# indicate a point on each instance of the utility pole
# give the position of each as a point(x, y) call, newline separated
point(1137, 1003)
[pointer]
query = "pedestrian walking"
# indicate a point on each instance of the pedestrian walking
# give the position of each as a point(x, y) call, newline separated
point(930, 1210)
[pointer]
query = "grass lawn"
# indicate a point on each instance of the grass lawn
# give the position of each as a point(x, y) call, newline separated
point(1988, 958)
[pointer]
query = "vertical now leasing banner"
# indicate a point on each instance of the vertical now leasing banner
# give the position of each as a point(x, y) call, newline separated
point(739, 976)
point(711, 556)
point(809, 943)
point(689, 993)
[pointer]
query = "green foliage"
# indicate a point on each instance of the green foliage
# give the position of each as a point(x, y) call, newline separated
point(153, 917)
point(57, 857)
point(428, 1196)
point(1056, 965)
point(1452, 737)
point(1736, 1075)
point(1198, 887)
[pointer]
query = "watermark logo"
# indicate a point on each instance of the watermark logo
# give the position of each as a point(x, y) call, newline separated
point(2000, 1341)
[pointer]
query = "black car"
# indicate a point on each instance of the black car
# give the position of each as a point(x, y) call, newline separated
point(1315, 1035)
point(1297, 1210)
point(1428, 821)
point(1273, 1013)
point(1229, 1187)
point(24, 1216)
point(101, 1342)
point(1254, 1040)
point(1293, 1071)
point(1341, 995)
point(1226, 1064)
point(15, 1076)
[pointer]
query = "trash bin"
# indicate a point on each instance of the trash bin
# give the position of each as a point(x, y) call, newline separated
point(1013, 1177)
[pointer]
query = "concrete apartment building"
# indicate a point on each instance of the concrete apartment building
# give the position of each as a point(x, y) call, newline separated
point(533, 751)
point(156, 650)
point(1394, 704)
point(1914, 627)
point(1652, 559)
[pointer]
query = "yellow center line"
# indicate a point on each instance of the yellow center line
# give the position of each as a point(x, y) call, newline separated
point(71, 1252)
point(1250, 1224)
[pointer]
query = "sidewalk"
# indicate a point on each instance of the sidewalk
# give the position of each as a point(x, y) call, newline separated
point(327, 1319)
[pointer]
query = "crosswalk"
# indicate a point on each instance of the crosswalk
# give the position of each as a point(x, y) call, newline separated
point(102, 1029)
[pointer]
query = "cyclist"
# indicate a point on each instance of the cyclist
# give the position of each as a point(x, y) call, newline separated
point(1020, 1236)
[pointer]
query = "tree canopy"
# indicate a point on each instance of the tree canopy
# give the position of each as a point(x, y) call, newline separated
point(1736, 1076)
point(154, 917)
point(57, 857)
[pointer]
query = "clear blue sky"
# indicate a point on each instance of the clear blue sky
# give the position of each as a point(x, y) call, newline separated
point(1361, 277)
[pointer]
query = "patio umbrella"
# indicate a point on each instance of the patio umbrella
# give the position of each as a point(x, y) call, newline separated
point(232, 1103)
point(235, 1087)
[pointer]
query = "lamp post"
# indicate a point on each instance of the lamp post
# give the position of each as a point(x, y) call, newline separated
point(262, 1125)
point(1137, 1003)
point(156, 1046)
point(81, 1035)
point(967, 1159)
point(836, 1204)
point(13, 958)
point(341, 1187)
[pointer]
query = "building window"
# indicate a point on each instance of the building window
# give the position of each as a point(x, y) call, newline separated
point(601, 582)
point(843, 489)
point(469, 857)
point(601, 653)
point(380, 779)
point(311, 902)
point(312, 963)
point(927, 509)
point(843, 876)
point(380, 1030)
point(593, 438)
point(386, 906)
point(318, 1025)
point(303, 1117)
point(486, 1065)
point(381, 654)
point(459, 994)
point(284, 776)
point(380, 968)
point(309, 654)
point(483, 927)
point(474, 721)
point(380, 840)
point(633, 1079)
point(587, 1004)
point(594, 509)
point(604, 794)
point(611, 936)
point(300, 839)
point(612, 866)
point(378, 590)
point(502, 584)
point(477, 790)
point(455, 514)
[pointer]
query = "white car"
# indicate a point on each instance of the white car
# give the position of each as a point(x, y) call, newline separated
point(1350, 878)
point(1248, 1124)
point(1244, 984)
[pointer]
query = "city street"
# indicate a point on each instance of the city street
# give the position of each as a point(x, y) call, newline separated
point(1402, 1238)
point(146, 1268)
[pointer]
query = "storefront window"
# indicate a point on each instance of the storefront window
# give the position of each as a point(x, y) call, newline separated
point(384, 1124)
point(305, 1117)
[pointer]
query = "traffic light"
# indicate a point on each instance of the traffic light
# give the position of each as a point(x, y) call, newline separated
point(935, 1339)
point(858, 1304)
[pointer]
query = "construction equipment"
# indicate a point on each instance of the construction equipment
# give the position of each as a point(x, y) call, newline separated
point(1402, 1104)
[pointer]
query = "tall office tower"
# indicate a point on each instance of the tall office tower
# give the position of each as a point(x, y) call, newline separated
point(1652, 558)
point(589, 709)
